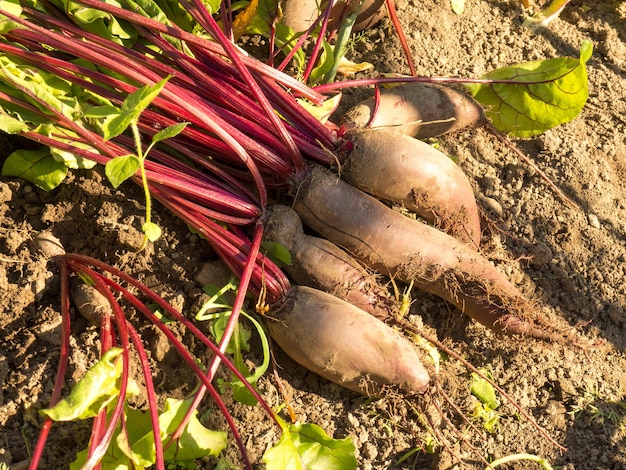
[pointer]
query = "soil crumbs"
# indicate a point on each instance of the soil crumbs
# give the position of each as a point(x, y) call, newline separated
point(572, 260)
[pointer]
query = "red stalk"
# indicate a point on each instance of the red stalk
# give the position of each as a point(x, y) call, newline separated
point(153, 409)
point(233, 248)
point(233, 319)
point(98, 447)
point(317, 131)
point(318, 44)
point(361, 82)
point(59, 380)
point(391, 9)
point(99, 425)
point(198, 10)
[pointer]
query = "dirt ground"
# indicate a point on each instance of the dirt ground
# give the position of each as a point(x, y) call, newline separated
point(569, 259)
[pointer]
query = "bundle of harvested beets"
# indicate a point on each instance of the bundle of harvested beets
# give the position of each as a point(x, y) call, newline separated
point(246, 131)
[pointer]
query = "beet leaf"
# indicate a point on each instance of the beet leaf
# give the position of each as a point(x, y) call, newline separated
point(37, 166)
point(527, 99)
point(304, 445)
point(93, 392)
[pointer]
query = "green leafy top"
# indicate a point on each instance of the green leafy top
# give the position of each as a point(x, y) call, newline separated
point(99, 22)
point(37, 166)
point(135, 442)
point(195, 442)
point(133, 447)
point(20, 79)
point(98, 387)
point(307, 446)
point(527, 99)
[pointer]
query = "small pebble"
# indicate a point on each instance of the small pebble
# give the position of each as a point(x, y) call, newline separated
point(494, 206)
point(49, 245)
point(593, 220)
point(32, 198)
point(213, 272)
point(353, 420)
point(370, 450)
point(32, 209)
point(549, 142)
point(50, 331)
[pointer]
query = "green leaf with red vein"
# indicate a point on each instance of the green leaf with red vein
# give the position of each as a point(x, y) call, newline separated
point(527, 99)
point(37, 166)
